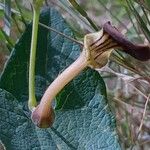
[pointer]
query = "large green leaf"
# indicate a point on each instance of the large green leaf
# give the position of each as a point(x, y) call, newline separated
point(83, 119)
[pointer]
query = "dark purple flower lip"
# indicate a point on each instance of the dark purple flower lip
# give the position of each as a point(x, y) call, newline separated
point(138, 51)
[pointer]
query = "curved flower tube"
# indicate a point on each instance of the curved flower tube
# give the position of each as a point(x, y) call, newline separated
point(96, 52)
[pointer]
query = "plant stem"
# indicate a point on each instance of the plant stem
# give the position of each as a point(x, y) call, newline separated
point(32, 100)
point(83, 13)
point(21, 13)
point(57, 85)
point(8, 39)
point(16, 23)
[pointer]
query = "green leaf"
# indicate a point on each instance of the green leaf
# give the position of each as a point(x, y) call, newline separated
point(17, 132)
point(83, 118)
point(87, 128)
point(17, 66)
point(148, 3)
point(81, 90)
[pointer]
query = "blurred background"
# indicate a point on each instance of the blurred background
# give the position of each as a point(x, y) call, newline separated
point(127, 80)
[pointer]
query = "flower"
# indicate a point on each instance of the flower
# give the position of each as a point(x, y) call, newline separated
point(99, 45)
point(96, 52)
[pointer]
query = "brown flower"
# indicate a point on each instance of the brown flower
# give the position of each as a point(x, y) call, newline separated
point(97, 49)
point(99, 45)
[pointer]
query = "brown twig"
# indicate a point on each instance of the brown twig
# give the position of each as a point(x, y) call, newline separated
point(143, 116)
point(60, 33)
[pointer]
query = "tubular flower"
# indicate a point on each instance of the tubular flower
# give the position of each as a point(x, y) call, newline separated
point(96, 52)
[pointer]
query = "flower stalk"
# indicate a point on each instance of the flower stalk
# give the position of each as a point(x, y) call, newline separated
point(36, 13)
point(43, 115)
point(96, 52)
